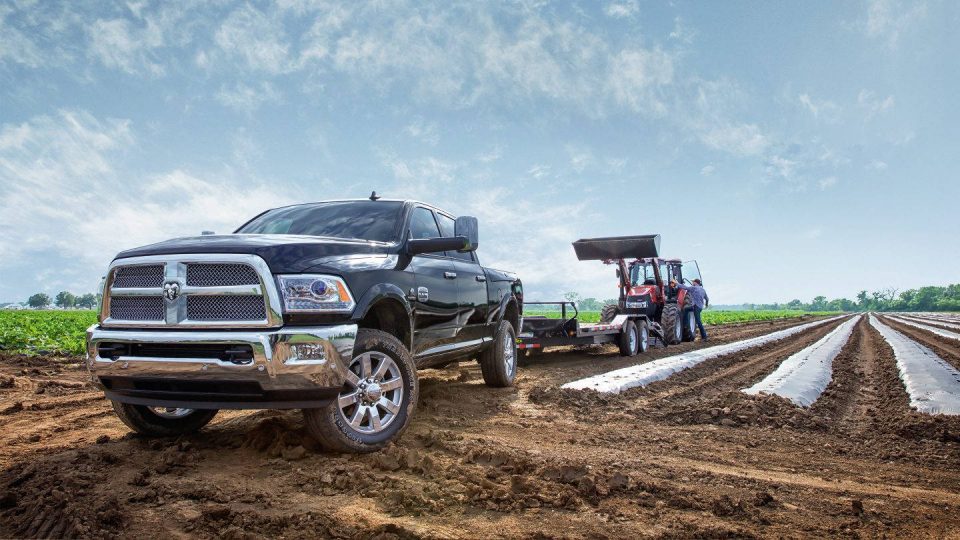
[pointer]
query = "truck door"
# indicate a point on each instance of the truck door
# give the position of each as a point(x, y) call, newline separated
point(472, 287)
point(435, 306)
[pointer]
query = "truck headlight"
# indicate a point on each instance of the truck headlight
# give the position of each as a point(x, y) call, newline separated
point(309, 293)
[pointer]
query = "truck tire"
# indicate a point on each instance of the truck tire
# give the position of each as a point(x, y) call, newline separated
point(671, 323)
point(499, 362)
point(162, 421)
point(608, 312)
point(377, 401)
point(629, 339)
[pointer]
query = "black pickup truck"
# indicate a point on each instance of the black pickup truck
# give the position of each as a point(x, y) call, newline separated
point(329, 307)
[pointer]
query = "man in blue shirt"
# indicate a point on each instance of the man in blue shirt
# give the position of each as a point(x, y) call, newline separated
point(699, 299)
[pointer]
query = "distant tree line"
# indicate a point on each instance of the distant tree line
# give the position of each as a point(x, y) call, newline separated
point(890, 299)
point(64, 300)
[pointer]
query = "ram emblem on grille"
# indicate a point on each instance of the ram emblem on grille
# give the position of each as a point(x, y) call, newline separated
point(171, 290)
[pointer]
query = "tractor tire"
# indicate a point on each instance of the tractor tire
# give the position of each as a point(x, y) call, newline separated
point(608, 313)
point(689, 321)
point(672, 324)
point(629, 339)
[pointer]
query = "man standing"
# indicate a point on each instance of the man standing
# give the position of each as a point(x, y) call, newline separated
point(699, 299)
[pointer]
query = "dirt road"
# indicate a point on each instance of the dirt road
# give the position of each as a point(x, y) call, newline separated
point(687, 456)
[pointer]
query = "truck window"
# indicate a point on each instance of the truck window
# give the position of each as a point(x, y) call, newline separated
point(365, 220)
point(422, 224)
point(448, 227)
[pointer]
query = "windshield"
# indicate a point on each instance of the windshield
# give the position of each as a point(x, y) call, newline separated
point(642, 274)
point(364, 220)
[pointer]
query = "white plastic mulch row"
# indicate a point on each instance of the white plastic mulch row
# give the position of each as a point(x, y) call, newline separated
point(938, 331)
point(942, 322)
point(933, 385)
point(617, 381)
point(806, 374)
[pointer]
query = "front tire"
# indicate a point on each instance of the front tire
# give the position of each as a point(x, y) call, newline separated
point(162, 421)
point(499, 362)
point(672, 324)
point(378, 399)
point(689, 326)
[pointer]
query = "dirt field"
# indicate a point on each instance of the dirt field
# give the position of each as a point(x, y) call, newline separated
point(690, 456)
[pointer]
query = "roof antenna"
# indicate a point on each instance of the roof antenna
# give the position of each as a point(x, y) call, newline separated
point(374, 196)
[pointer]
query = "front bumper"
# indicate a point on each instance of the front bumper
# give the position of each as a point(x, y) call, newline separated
point(289, 368)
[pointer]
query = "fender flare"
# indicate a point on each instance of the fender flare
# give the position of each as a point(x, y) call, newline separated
point(505, 302)
point(384, 291)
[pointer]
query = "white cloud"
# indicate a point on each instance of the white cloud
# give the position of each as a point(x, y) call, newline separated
point(887, 20)
point(827, 183)
point(66, 202)
point(825, 109)
point(421, 175)
point(622, 10)
point(877, 165)
point(539, 171)
point(16, 45)
point(248, 99)
point(580, 158)
point(812, 234)
point(636, 77)
point(117, 44)
point(681, 32)
point(256, 39)
point(707, 170)
point(872, 104)
point(738, 139)
point(422, 130)
point(782, 167)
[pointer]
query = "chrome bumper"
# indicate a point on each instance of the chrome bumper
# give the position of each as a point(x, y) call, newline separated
point(291, 367)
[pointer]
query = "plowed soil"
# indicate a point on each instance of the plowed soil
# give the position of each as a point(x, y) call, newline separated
point(690, 456)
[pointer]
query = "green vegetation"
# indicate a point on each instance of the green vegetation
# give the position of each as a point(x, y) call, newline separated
point(49, 332)
point(710, 316)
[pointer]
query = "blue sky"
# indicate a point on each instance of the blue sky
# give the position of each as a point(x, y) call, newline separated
point(793, 149)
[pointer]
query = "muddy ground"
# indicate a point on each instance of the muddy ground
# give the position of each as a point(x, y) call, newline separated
point(690, 456)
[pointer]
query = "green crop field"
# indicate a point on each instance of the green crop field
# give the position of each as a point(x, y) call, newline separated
point(709, 316)
point(45, 332)
point(62, 332)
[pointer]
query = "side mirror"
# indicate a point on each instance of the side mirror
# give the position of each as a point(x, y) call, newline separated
point(466, 227)
point(434, 245)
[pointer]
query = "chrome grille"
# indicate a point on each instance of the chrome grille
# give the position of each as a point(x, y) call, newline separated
point(226, 308)
point(137, 308)
point(220, 275)
point(143, 275)
point(203, 290)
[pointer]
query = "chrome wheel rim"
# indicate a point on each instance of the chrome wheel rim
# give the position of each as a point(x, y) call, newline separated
point(171, 412)
point(509, 353)
point(373, 395)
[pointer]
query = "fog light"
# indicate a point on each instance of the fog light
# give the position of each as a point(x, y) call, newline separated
point(309, 351)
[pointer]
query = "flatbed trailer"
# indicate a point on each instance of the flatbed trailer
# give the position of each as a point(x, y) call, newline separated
point(630, 332)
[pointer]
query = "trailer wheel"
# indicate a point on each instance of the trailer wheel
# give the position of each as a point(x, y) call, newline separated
point(643, 330)
point(689, 320)
point(672, 324)
point(629, 340)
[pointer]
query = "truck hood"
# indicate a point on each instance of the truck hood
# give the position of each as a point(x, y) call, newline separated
point(283, 253)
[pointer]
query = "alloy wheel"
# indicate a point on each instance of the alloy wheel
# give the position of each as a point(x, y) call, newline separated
point(374, 393)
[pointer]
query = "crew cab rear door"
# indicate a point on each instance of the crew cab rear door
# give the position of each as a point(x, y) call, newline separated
point(472, 288)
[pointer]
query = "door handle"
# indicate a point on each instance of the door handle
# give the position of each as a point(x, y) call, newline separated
point(450, 275)
point(481, 279)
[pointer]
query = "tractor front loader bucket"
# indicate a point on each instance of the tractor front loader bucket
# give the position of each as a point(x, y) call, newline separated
point(618, 247)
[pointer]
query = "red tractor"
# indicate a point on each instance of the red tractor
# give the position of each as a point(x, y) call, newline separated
point(644, 284)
